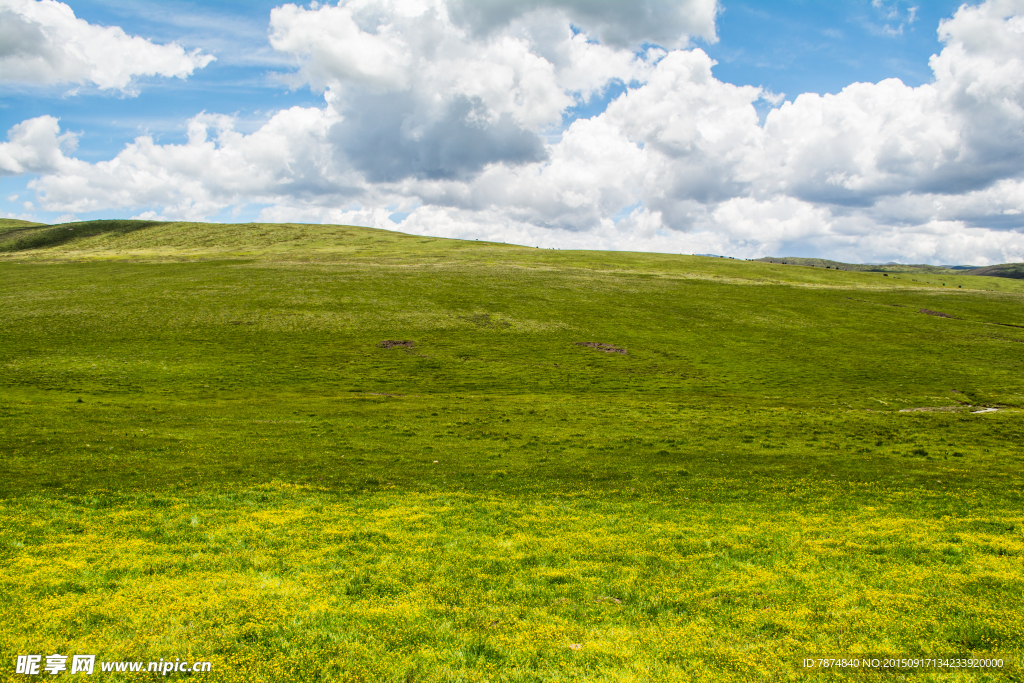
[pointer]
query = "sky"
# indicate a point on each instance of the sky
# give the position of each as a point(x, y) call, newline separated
point(863, 131)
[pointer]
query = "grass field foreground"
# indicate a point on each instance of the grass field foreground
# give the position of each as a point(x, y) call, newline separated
point(208, 454)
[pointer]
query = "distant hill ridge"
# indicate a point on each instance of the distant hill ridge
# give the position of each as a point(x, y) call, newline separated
point(1014, 270)
point(1011, 270)
point(25, 236)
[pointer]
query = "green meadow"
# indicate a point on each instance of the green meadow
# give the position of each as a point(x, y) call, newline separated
point(328, 453)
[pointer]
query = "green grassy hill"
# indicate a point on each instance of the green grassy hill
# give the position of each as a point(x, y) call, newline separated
point(1012, 270)
point(309, 452)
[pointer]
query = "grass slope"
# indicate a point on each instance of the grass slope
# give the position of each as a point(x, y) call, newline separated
point(1013, 270)
point(209, 455)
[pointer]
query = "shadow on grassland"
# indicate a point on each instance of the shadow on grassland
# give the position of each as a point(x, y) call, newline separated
point(55, 235)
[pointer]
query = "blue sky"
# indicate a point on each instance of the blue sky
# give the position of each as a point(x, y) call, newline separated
point(785, 48)
point(798, 47)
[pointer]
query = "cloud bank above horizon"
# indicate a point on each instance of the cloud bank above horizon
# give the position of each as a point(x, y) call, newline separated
point(458, 119)
point(43, 42)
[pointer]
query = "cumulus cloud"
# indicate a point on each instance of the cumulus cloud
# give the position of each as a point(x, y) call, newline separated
point(217, 167)
point(36, 146)
point(453, 121)
point(43, 42)
point(670, 23)
point(962, 132)
point(457, 143)
point(420, 95)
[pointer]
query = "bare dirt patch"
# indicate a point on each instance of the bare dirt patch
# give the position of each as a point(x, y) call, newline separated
point(485, 320)
point(396, 344)
point(962, 408)
point(608, 598)
point(607, 348)
point(935, 313)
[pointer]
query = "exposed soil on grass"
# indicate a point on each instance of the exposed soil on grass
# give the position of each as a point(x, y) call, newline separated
point(962, 408)
point(485, 320)
point(935, 313)
point(395, 344)
point(607, 348)
point(608, 598)
point(876, 303)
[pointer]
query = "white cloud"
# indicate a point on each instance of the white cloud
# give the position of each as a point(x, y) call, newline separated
point(962, 132)
point(216, 168)
point(43, 42)
point(894, 18)
point(421, 96)
point(36, 146)
point(458, 125)
point(334, 48)
point(670, 23)
point(19, 216)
